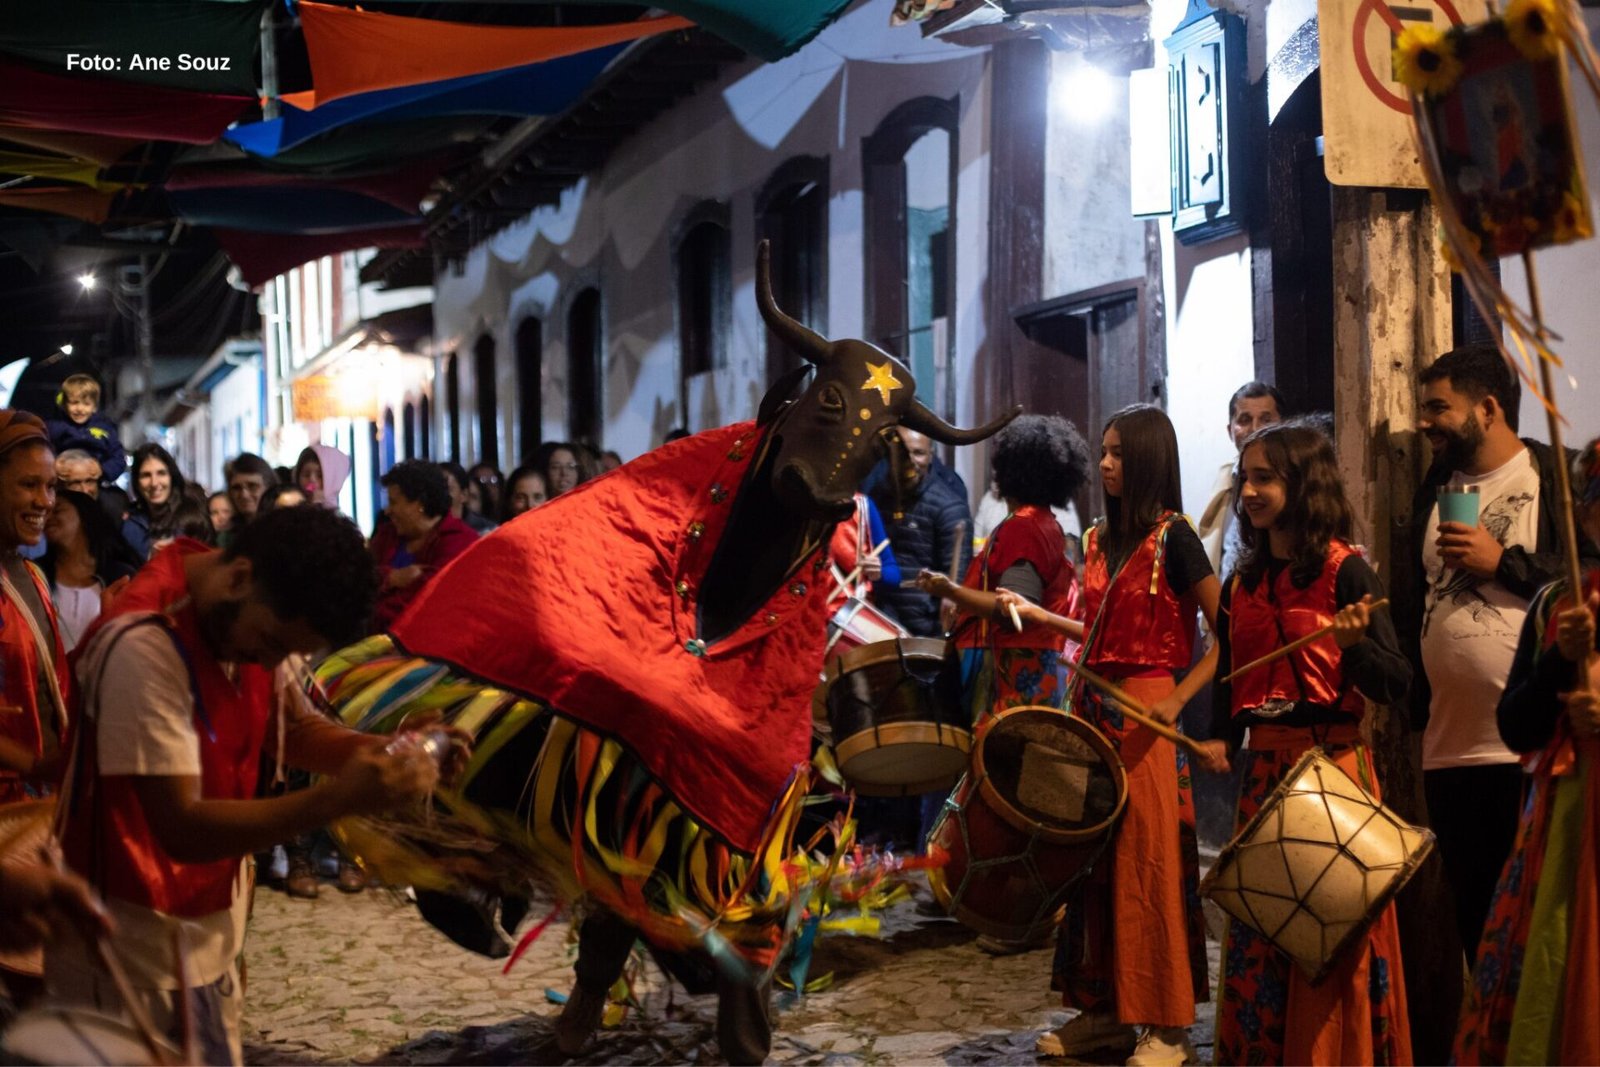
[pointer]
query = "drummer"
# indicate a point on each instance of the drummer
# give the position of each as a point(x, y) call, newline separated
point(857, 561)
point(1040, 462)
point(1298, 573)
point(160, 816)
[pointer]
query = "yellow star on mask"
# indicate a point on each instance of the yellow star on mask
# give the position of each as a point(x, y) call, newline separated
point(882, 379)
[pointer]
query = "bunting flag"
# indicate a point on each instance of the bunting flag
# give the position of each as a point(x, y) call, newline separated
point(403, 186)
point(90, 105)
point(547, 88)
point(361, 51)
point(261, 257)
point(57, 167)
point(85, 204)
point(179, 44)
point(269, 209)
point(89, 147)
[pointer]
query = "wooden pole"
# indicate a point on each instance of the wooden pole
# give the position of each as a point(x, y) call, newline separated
point(1567, 513)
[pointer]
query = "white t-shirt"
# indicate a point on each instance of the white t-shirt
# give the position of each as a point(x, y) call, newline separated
point(1470, 625)
point(139, 692)
point(76, 608)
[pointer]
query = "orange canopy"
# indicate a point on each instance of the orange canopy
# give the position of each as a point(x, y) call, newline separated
point(361, 51)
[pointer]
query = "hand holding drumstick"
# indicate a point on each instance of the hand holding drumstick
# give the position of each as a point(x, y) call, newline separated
point(1348, 627)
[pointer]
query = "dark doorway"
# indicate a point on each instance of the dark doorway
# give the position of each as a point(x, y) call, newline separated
point(425, 428)
point(1097, 361)
point(452, 404)
point(583, 367)
point(1300, 202)
point(408, 429)
point(530, 389)
point(388, 439)
point(483, 379)
point(792, 213)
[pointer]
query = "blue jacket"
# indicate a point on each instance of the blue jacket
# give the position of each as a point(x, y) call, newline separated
point(923, 535)
point(98, 437)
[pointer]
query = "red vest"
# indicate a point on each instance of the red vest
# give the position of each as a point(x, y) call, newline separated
point(1140, 623)
point(1028, 535)
point(107, 838)
point(20, 698)
point(1313, 673)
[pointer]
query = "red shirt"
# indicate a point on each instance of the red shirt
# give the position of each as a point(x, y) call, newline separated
point(447, 541)
point(1031, 535)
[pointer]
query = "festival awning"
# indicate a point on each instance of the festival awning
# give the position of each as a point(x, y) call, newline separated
point(287, 210)
point(181, 44)
point(86, 146)
point(261, 257)
point(404, 186)
point(362, 51)
point(36, 165)
point(85, 204)
point(91, 105)
point(547, 88)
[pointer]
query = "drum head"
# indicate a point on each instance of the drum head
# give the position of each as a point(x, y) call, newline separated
point(24, 830)
point(1046, 771)
point(904, 759)
point(63, 1034)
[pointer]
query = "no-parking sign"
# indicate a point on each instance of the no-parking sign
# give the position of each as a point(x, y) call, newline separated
point(1365, 116)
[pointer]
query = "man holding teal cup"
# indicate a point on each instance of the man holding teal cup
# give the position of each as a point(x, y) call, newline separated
point(1484, 536)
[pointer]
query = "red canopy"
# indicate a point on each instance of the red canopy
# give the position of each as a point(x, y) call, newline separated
point(261, 257)
point(360, 51)
point(116, 109)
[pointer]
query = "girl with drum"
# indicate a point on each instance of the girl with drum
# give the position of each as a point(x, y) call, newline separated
point(1131, 956)
point(1298, 574)
point(1040, 462)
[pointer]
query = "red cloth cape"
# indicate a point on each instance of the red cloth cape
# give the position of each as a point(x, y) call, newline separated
point(588, 604)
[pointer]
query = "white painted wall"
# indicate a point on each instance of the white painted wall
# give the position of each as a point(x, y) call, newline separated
point(615, 230)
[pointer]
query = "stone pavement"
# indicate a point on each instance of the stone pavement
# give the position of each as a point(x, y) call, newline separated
point(364, 979)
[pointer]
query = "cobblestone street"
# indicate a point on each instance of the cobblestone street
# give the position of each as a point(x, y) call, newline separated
point(364, 979)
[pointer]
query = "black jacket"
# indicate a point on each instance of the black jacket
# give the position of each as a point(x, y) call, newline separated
point(922, 531)
point(1520, 571)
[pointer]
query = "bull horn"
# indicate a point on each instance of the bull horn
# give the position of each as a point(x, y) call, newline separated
point(925, 422)
point(804, 340)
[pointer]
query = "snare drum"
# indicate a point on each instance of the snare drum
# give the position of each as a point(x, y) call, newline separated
point(856, 622)
point(898, 725)
point(60, 1033)
point(1034, 813)
point(1316, 865)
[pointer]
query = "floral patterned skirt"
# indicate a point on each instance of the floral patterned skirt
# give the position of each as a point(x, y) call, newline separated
point(1270, 1013)
point(993, 680)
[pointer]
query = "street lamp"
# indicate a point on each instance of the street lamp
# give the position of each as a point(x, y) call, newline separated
point(88, 281)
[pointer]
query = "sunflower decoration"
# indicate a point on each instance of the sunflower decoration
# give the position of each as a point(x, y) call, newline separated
point(1571, 220)
point(1534, 27)
point(1425, 60)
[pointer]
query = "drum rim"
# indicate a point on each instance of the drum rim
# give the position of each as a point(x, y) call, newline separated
point(1381, 901)
point(836, 666)
point(919, 731)
point(1016, 819)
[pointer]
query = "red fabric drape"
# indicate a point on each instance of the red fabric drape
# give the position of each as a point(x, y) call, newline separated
point(403, 187)
point(88, 105)
point(360, 51)
point(261, 257)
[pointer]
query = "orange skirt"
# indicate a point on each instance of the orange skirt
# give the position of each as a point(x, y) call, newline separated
point(1133, 941)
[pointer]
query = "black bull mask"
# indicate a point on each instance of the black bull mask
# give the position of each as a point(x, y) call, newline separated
point(823, 440)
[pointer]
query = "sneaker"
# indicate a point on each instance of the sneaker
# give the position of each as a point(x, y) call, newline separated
point(1162, 1046)
point(1087, 1032)
point(579, 1019)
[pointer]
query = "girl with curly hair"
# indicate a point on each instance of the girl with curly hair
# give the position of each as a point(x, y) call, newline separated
point(1131, 956)
point(1299, 573)
point(1039, 462)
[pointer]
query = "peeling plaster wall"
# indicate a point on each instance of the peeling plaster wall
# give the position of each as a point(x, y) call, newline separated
point(615, 231)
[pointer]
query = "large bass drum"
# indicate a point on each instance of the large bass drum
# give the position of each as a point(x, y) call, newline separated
point(1316, 865)
point(894, 709)
point(1034, 813)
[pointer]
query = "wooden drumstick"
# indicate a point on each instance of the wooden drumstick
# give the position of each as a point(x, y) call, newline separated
point(1293, 646)
point(850, 579)
point(1133, 709)
point(1016, 620)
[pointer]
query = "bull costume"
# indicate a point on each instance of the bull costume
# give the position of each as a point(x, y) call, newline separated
point(1269, 1011)
point(1535, 990)
point(642, 720)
